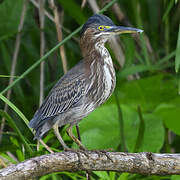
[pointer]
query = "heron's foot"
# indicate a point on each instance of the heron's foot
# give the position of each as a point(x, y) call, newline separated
point(102, 153)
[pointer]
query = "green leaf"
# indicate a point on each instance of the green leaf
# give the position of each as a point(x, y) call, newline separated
point(123, 176)
point(21, 115)
point(133, 70)
point(170, 115)
point(75, 10)
point(13, 125)
point(131, 126)
point(102, 175)
point(175, 177)
point(10, 159)
point(10, 15)
point(129, 49)
point(112, 175)
point(8, 76)
point(6, 57)
point(166, 58)
point(153, 135)
point(19, 152)
point(168, 9)
point(148, 92)
point(140, 136)
point(153, 131)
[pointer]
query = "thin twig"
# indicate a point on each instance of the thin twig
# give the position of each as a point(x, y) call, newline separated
point(83, 3)
point(93, 6)
point(120, 15)
point(42, 47)
point(59, 34)
point(14, 61)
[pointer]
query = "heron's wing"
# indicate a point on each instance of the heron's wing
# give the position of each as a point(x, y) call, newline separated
point(59, 100)
point(65, 94)
point(62, 98)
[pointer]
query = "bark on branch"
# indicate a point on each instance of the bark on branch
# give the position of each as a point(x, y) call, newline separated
point(142, 163)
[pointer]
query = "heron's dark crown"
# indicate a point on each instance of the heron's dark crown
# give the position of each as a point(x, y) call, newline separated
point(96, 20)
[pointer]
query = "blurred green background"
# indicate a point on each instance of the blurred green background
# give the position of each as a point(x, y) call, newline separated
point(143, 114)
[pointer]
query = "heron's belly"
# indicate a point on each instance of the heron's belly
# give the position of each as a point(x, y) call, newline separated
point(74, 115)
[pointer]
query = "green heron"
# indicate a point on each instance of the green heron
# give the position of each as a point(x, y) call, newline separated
point(86, 86)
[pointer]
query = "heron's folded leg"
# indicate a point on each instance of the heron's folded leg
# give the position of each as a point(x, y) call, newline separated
point(76, 140)
point(56, 132)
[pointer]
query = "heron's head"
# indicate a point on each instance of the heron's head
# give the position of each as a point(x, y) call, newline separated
point(100, 27)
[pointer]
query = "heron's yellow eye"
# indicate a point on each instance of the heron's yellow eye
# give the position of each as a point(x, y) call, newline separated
point(101, 28)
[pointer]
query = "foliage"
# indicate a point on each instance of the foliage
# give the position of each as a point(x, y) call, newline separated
point(142, 114)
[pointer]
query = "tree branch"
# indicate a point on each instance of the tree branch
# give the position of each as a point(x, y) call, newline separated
point(141, 163)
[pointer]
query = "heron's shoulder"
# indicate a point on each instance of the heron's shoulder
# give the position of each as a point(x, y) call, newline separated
point(74, 74)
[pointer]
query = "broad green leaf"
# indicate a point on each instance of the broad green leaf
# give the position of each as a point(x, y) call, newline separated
point(131, 126)
point(170, 115)
point(153, 134)
point(153, 131)
point(148, 92)
point(141, 130)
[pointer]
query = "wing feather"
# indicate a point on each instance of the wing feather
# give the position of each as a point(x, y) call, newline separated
point(60, 99)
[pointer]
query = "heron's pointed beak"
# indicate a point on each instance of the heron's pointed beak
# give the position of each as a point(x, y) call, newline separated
point(122, 30)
